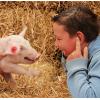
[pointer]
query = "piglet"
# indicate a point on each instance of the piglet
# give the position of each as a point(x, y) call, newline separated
point(15, 50)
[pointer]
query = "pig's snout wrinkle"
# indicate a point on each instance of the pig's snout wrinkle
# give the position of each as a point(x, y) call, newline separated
point(32, 58)
point(38, 56)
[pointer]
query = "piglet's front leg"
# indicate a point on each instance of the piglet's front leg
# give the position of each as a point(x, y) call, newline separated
point(9, 79)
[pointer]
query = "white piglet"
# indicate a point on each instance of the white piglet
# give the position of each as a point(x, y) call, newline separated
point(16, 50)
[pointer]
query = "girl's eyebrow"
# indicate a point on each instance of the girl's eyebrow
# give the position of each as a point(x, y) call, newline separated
point(59, 37)
point(55, 35)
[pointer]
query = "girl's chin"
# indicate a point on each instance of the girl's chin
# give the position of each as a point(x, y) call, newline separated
point(65, 53)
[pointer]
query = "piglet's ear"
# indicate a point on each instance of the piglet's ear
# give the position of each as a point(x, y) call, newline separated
point(13, 50)
point(23, 31)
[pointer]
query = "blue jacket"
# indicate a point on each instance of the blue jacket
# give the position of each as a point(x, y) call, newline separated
point(83, 75)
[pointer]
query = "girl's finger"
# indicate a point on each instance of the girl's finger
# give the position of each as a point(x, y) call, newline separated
point(85, 52)
point(78, 46)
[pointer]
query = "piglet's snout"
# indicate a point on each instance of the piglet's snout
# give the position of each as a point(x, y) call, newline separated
point(38, 56)
point(33, 57)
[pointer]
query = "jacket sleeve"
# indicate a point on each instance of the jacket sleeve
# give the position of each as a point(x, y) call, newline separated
point(83, 81)
point(63, 62)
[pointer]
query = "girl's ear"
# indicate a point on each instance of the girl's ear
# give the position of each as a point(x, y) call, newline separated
point(80, 35)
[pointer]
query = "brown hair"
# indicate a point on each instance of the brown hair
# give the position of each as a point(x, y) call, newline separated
point(79, 19)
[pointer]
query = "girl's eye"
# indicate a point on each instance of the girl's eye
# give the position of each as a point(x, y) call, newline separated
point(59, 39)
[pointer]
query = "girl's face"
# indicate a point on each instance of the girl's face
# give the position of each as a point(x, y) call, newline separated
point(63, 41)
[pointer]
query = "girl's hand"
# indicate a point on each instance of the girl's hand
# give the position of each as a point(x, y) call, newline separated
point(77, 53)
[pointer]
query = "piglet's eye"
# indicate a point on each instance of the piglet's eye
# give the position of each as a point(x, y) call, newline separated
point(13, 49)
point(22, 48)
